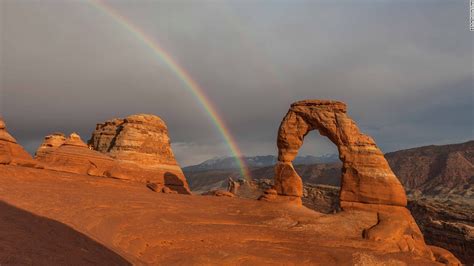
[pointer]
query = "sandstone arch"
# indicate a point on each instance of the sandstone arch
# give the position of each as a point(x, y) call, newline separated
point(366, 175)
point(367, 182)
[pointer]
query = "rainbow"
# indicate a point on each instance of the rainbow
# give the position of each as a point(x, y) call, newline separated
point(184, 77)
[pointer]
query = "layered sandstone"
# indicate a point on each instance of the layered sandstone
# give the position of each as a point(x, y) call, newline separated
point(133, 153)
point(142, 146)
point(138, 138)
point(367, 182)
point(10, 151)
point(366, 175)
point(50, 143)
point(436, 170)
point(73, 156)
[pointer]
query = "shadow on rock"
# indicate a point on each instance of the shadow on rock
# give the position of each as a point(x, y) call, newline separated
point(27, 239)
point(174, 183)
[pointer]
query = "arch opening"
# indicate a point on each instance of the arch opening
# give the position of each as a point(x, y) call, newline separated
point(319, 166)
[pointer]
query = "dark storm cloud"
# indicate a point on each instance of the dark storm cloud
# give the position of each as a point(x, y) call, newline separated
point(404, 68)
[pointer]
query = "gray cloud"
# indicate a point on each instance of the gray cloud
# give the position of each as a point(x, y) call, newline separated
point(404, 68)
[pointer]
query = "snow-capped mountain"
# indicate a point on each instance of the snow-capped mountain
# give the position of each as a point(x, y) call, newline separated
point(219, 163)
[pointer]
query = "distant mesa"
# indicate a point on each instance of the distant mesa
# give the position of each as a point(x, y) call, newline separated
point(11, 153)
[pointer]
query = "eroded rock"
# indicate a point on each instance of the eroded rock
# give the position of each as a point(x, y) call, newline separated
point(11, 153)
point(367, 182)
point(366, 175)
point(142, 146)
point(50, 143)
point(219, 193)
point(136, 148)
point(73, 156)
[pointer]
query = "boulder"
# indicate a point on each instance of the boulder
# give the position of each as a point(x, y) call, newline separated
point(444, 256)
point(11, 153)
point(219, 193)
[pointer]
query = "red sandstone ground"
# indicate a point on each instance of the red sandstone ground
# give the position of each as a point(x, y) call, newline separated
point(53, 217)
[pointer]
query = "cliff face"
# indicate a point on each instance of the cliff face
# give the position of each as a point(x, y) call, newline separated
point(433, 170)
point(440, 180)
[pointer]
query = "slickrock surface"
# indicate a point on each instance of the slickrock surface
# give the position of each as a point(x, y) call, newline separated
point(367, 182)
point(140, 141)
point(107, 221)
point(10, 151)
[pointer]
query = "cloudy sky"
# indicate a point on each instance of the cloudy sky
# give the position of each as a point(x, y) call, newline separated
point(405, 68)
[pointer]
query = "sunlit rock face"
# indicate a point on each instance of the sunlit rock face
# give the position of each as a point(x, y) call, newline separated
point(366, 175)
point(11, 153)
point(72, 156)
point(50, 143)
point(136, 148)
point(140, 140)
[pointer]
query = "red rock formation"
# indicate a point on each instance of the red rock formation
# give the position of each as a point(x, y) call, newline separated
point(50, 143)
point(10, 151)
point(137, 138)
point(366, 177)
point(444, 256)
point(73, 156)
point(367, 182)
point(142, 145)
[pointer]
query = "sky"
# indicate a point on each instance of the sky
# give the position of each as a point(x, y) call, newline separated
point(405, 69)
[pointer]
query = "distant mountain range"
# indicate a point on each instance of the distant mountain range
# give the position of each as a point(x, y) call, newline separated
point(229, 163)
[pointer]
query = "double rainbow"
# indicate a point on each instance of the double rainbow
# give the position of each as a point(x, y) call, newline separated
point(184, 77)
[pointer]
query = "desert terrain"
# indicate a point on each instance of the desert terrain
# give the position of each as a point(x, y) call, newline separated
point(51, 217)
point(123, 199)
